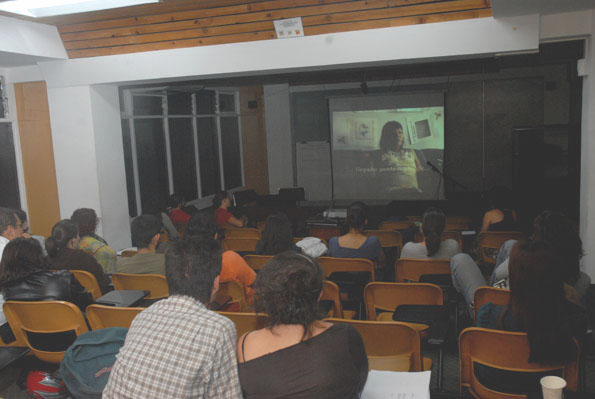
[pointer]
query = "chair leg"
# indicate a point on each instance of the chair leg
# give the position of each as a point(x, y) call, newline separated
point(440, 366)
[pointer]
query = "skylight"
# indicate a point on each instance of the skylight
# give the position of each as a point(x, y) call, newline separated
point(47, 8)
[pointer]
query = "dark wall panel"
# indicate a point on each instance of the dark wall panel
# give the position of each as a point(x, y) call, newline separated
point(9, 184)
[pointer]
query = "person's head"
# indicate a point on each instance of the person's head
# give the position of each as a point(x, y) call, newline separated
point(145, 231)
point(175, 201)
point(277, 236)
point(287, 290)
point(221, 199)
point(21, 257)
point(192, 268)
point(433, 222)
point(22, 215)
point(556, 230)
point(201, 225)
point(10, 225)
point(537, 301)
point(65, 234)
point(85, 220)
point(391, 138)
point(501, 197)
point(357, 216)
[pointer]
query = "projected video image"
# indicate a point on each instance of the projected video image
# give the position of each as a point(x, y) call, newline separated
point(383, 154)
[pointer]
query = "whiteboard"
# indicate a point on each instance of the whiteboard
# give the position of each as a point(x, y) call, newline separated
point(314, 170)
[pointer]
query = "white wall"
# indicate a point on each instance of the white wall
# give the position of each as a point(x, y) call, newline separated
point(279, 140)
point(23, 38)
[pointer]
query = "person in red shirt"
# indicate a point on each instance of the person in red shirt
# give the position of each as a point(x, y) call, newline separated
point(221, 202)
point(177, 215)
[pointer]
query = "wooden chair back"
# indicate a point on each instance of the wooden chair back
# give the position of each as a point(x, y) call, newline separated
point(237, 293)
point(164, 236)
point(390, 225)
point(456, 225)
point(387, 238)
point(483, 295)
point(44, 317)
point(411, 270)
point(155, 283)
point(414, 218)
point(331, 265)
point(128, 253)
point(330, 292)
point(244, 232)
point(240, 244)
point(88, 281)
point(246, 321)
point(503, 350)
point(453, 235)
point(101, 316)
point(324, 233)
point(256, 262)
point(493, 240)
point(388, 338)
point(387, 296)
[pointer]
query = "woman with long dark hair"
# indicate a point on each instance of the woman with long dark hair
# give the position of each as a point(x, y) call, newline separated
point(298, 355)
point(63, 254)
point(86, 221)
point(277, 236)
point(538, 306)
point(432, 226)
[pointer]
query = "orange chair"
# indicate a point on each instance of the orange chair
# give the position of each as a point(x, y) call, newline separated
point(388, 339)
point(503, 350)
point(331, 265)
point(484, 295)
point(389, 225)
point(43, 317)
point(245, 322)
point(88, 281)
point(330, 292)
point(155, 283)
point(237, 293)
point(387, 296)
point(240, 244)
point(256, 262)
point(493, 240)
point(387, 238)
point(411, 270)
point(244, 232)
point(101, 316)
point(453, 235)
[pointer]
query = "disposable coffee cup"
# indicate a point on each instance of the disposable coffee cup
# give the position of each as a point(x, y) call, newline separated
point(552, 387)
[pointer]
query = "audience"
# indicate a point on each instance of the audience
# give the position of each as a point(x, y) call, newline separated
point(277, 236)
point(432, 226)
point(146, 231)
point(86, 222)
point(537, 306)
point(10, 227)
point(355, 244)
point(22, 215)
point(298, 355)
point(501, 217)
point(63, 254)
point(177, 348)
point(234, 268)
point(221, 202)
point(178, 216)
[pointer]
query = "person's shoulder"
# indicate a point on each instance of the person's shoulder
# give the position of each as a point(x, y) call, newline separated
point(451, 244)
point(373, 240)
point(344, 329)
point(231, 256)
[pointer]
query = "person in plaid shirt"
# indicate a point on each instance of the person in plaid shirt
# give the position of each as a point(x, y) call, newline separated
point(177, 348)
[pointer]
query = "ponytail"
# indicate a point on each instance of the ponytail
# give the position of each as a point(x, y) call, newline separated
point(62, 233)
point(433, 223)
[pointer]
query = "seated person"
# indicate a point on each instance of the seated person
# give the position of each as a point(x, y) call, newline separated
point(63, 254)
point(277, 236)
point(25, 276)
point(432, 226)
point(177, 348)
point(178, 216)
point(86, 221)
point(153, 207)
point(557, 232)
point(537, 306)
point(298, 355)
point(146, 231)
point(221, 202)
point(501, 216)
point(355, 244)
point(234, 267)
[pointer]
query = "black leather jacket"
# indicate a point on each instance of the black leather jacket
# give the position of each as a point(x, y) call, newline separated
point(47, 285)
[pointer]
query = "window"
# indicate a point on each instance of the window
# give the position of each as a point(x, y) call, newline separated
point(182, 139)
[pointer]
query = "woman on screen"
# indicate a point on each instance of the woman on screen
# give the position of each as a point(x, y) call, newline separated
point(397, 166)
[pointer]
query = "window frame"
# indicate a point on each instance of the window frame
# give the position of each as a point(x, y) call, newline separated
point(162, 92)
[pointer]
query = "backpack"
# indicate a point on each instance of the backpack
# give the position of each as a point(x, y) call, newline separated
point(87, 364)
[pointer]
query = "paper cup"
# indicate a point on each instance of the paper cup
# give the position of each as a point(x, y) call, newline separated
point(552, 387)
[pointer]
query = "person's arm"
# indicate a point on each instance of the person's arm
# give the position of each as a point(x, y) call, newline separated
point(237, 222)
point(487, 220)
point(90, 264)
point(106, 257)
point(418, 166)
point(360, 359)
point(246, 275)
point(224, 382)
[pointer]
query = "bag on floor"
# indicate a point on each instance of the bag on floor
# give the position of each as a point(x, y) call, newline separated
point(87, 364)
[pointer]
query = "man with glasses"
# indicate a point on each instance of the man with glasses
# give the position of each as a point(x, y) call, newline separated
point(10, 227)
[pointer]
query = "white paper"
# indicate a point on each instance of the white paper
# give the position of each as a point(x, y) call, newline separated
point(397, 385)
point(291, 27)
point(468, 232)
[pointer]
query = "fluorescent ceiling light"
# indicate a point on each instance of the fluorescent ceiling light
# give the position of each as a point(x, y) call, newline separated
point(47, 8)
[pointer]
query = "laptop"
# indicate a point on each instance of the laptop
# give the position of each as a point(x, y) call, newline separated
point(123, 298)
